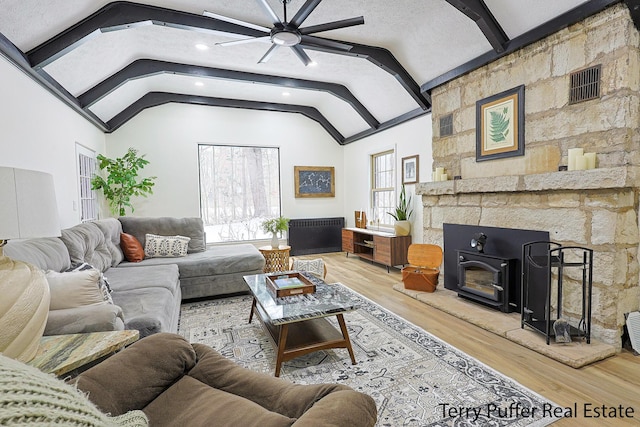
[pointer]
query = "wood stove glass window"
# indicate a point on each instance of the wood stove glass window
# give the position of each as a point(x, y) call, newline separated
point(479, 280)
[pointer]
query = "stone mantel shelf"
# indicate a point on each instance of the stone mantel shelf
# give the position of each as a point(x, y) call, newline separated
point(592, 179)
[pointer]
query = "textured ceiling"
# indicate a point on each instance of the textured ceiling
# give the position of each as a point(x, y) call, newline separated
point(112, 72)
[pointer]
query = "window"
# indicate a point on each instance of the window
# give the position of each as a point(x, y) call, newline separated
point(85, 170)
point(239, 188)
point(382, 187)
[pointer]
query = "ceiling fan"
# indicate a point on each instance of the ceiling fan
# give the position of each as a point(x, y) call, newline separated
point(289, 34)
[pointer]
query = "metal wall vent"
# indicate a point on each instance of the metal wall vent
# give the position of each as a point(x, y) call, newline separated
point(446, 125)
point(585, 84)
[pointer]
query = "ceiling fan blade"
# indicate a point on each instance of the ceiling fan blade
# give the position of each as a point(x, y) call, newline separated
point(269, 53)
point(270, 12)
point(332, 25)
point(331, 44)
point(236, 21)
point(300, 53)
point(304, 12)
point(243, 41)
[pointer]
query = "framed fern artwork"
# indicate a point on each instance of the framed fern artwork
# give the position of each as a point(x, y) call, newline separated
point(500, 125)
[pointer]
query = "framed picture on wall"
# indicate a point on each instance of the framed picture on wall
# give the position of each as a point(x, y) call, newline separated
point(500, 125)
point(314, 181)
point(410, 173)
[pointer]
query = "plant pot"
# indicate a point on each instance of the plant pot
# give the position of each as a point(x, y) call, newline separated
point(275, 243)
point(402, 228)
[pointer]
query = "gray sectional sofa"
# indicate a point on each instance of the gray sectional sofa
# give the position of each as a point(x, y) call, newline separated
point(146, 294)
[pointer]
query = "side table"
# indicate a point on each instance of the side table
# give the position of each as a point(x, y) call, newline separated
point(64, 354)
point(277, 259)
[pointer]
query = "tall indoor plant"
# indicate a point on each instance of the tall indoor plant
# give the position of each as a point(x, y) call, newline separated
point(402, 214)
point(122, 182)
point(275, 226)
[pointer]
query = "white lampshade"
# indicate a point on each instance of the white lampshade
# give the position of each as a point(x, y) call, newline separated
point(28, 209)
point(28, 205)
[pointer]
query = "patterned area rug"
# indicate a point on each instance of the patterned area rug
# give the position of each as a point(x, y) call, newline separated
point(415, 378)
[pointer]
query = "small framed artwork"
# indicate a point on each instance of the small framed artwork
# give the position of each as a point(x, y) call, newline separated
point(500, 125)
point(410, 170)
point(314, 181)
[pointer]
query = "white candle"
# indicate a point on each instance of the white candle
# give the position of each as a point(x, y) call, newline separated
point(573, 153)
point(444, 177)
point(581, 163)
point(591, 160)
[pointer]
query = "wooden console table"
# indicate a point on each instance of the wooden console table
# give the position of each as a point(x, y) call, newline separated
point(376, 246)
point(65, 354)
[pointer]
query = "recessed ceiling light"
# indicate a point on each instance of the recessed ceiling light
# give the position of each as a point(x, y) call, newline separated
point(199, 84)
point(202, 46)
point(313, 64)
point(286, 93)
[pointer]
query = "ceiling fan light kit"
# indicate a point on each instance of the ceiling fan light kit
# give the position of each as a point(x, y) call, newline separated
point(288, 33)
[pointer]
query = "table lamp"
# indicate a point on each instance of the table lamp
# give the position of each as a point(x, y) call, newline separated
point(28, 209)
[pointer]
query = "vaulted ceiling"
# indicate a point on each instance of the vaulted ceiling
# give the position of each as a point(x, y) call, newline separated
point(111, 60)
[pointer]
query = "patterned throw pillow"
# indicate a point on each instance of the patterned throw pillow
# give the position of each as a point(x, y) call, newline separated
point(165, 246)
point(103, 284)
point(313, 266)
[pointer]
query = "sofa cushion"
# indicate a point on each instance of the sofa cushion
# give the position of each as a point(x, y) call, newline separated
point(112, 228)
point(216, 260)
point(159, 276)
point(165, 246)
point(190, 399)
point(86, 243)
point(132, 248)
point(45, 253)
point(149, 309)
point(74, 289)
point(166, 226)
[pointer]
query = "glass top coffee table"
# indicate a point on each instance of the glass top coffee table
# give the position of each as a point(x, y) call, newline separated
point(297, 324)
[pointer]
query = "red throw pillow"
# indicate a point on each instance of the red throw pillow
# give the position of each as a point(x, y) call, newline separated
point(133, 250)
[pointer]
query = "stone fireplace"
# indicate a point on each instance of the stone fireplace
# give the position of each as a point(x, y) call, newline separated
point(596, 208)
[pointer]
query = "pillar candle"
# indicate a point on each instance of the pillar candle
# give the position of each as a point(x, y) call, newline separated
point(573, 153)
point(591, 160)
point(581, 163)
point(444, 177)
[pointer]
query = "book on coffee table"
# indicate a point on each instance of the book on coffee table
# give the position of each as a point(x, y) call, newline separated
point(287, 284)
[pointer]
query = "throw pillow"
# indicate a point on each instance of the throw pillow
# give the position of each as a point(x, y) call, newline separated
point(165, 246)
point(313, 266)
point(104, 286)
point(74, 289)
point(31, 397)
point(132, 248)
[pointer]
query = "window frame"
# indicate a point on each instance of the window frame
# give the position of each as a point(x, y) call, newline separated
point(200, 187)
point(88, 207)
point(377, 190)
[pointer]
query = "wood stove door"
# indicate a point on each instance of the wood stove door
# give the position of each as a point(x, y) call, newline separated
point(481, 279)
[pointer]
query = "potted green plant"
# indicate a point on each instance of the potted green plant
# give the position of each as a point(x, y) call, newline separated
point(275, 226)
point(402, 214)
point(121, 183)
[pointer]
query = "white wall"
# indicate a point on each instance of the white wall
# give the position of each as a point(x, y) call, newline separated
point(169, 136)
point(39, 132)
point(407, 139)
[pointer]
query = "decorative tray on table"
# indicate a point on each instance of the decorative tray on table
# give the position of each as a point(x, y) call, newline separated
point(287, 284)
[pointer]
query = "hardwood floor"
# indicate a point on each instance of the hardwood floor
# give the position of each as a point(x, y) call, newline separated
point(614, 382)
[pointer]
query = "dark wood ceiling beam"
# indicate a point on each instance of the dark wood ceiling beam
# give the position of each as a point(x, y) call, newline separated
point(123, 15)
point(153, 99)
point(146, 67)
point(387, 125)
point(384, 59)
point(634, 9)
point(478, 11)
point(19, 59)
point(571, 17)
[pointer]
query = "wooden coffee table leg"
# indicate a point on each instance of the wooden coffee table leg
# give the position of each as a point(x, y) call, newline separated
point(345, 335)
point(253, 307)
point(282, 344)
